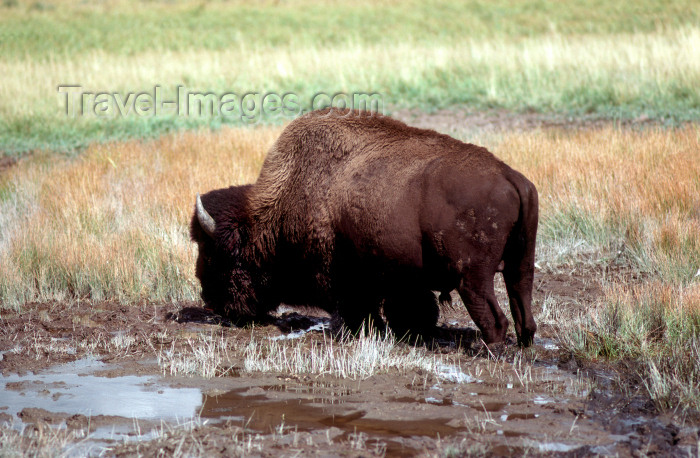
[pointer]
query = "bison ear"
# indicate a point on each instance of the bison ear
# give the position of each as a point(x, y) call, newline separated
point(205, 220)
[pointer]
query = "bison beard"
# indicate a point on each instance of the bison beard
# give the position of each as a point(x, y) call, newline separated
point(360, 214)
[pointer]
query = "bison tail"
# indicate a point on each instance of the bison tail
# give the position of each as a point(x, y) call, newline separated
point(519, 260)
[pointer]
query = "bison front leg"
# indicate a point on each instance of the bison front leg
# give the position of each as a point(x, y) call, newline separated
point(357, 323)
point(411, 312)
point(356, 312)
point(479, 297)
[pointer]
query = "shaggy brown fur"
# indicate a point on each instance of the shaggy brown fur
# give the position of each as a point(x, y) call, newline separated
point(357, 213)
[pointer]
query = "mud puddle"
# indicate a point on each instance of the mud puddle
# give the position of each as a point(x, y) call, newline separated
point(375, 414)
point(113, 410)
point(343, 419)
point(73, 388)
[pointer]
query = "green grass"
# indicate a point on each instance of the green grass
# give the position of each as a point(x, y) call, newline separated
point(648, 329)
point(61, 29)
point(653, 332)
point(594, 58)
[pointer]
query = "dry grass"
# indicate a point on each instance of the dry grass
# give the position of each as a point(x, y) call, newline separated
point(622, 198)
point(354, 358)
point(113, 223)
point(206, 356)
point(41, 441)
point(606, 189)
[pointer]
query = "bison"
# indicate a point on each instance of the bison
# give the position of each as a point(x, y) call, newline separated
point(358, 214)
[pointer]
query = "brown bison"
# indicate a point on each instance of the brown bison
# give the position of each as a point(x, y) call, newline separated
point(360, 214)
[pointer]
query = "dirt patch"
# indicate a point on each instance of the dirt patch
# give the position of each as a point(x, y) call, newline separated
point(7, 163)
point(43, 335)
point(459, 122)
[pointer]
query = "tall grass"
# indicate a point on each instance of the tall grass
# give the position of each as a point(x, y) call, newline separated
point(596, 58)
point(626, 199)
point(655, 329)
point(606, 190)
point(112, 224)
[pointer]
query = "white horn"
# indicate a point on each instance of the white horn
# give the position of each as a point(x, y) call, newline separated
point(205, 220)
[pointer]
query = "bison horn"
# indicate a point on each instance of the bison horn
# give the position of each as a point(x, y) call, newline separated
point(205, 220)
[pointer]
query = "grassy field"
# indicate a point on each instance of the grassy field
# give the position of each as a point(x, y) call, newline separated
point(111, 222)
point(601, 59)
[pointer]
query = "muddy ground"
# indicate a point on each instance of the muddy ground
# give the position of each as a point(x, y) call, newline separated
point(91, 372)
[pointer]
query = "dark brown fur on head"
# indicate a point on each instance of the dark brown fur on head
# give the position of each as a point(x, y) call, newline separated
point(223, 268)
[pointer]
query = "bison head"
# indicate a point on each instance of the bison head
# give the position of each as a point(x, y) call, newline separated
point(220, 227)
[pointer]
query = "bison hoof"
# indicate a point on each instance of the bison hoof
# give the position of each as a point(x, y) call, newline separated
point(525, 340)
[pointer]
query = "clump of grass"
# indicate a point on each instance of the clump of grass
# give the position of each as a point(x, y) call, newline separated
point(205, 357)
point(355, 358)
point(358, 357)
point(657, 327)
point(637, 320)
point(41, 441)
point(672, 379)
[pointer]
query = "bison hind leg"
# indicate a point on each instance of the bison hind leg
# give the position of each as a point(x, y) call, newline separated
point(479, 297)
point(412, 312)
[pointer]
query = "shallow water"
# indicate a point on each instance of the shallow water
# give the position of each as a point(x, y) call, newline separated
point(77, 388)
point(402, 416)
point(71, 388)
point(261, 414)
